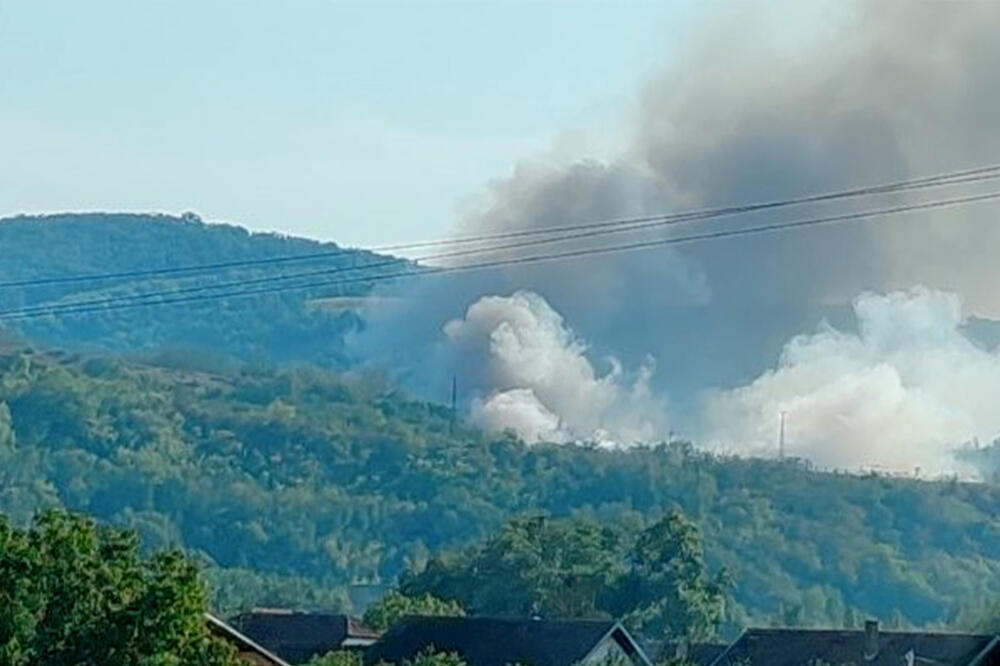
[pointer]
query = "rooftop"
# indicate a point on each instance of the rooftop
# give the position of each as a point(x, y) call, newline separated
point(485, 641)
point(298, 636)
point(797, 647)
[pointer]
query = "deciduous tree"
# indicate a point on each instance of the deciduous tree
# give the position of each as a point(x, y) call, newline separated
point(395, 606)
point(72, 592)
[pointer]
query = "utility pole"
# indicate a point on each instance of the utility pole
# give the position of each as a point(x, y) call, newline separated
point(454, 399)
point(781, 434)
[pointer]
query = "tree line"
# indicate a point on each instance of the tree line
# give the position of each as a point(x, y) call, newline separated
point(294, 486)
point(73, 591)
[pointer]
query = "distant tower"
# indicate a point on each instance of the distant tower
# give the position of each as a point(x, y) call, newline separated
point(781, 435)
point(454, 396)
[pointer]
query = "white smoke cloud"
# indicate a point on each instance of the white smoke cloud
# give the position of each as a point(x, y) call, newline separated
point(759, 102)
point(757, 105)
point(903, 392)
point(536, 378)
point(519, 410)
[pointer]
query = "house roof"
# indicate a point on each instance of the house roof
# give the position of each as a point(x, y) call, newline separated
point(299, 636)
point(797, 647)
point(248, 650)
point(703, 654)
point(699, 654)
point(483, 641)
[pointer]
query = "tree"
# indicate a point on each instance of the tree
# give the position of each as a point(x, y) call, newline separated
point(360, 481)
point(338, 658)
point(72, 592)
point(668, 590)
point(395, 606)
point(576, 568)
point(532, 566)
point(430, 657)
point(427, 657)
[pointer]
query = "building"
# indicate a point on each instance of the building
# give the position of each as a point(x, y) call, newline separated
point(805, 647)
point(697, 654)
point(246, 649)
point(483, 641)
point(297, 637)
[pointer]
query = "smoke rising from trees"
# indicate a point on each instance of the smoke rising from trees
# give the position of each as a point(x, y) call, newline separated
point(903, 392)
point(755, 108)
point(540, 382)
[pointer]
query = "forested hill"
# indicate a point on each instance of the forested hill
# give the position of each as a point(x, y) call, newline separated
point(278, 326)
point(312, 480)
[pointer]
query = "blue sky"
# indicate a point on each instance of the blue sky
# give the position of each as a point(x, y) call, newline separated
point(365, 123)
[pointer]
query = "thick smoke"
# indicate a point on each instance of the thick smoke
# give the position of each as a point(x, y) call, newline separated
point(536, 379)
point(886, 90)
point(903, 392)
point(867, 93)
point(762, 103)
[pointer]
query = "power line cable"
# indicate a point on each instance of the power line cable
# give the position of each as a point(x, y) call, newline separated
point(589, 231)
point(71, 309)
point(957, 178)
point(271, 279)
point(953, 178)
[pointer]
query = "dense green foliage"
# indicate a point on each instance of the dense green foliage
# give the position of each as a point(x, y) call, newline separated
point(280, 326)
point(299, 474)
point(338, 658)
point(657, 582)
point(531, 566)
point(73, 593)
point(394, 606)
point(667, 589)
point(234, 589)
point(430, 657)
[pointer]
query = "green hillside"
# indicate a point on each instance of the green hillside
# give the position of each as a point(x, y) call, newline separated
point(277, 326)
point(295, 481)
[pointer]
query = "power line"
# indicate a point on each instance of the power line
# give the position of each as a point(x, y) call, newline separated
point(270, 279)
point(587, 232)
point(71, 309)
point(953, 178)
point(110, 304)
point(194, 289)
point(956, 178)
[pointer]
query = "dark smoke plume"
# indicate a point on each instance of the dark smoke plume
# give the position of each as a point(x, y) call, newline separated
point(754, 108)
